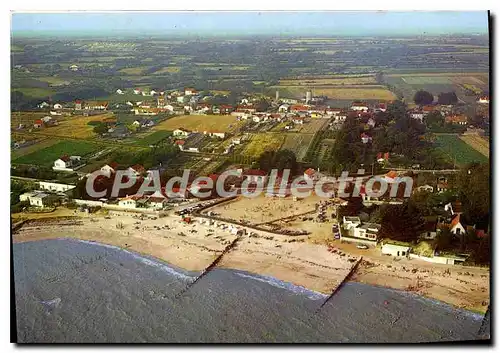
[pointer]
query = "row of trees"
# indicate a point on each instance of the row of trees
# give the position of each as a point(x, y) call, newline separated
point(422, 97)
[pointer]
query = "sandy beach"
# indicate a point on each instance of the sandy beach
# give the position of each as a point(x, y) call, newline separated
point(300, 260)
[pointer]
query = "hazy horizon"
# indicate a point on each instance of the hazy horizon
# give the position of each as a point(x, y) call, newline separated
point(248, 23)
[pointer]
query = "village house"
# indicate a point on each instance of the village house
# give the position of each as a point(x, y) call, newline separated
point(137, 91)
point(96, 105)
point(181, 132)
point(359, 106)
point(360, 232)
point(456, 226)
point(296, 108)
point(484, 100)
point(220, 135)
point(424, 188)
point(129, 201)
point(284, 108)
point(55, 113)
point(43, 105)
point(289, 100)
point(417, 115)
point(190, 92)
point(58, 106)
point(298, 120)
point(66, 163)
point(312, 174)
point(38, 199)
point(73, 67)
point(38, 124)
point(456, 119)
point(371, 123)
point(119, 91)
point(157, 202)
point(55, 187)
point(365, 138)
point(109, 168)
point(136, 170)
point(429, 230)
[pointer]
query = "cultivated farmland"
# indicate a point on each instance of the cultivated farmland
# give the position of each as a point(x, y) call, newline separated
point(298, 143)
point(459, 151)
point(48, 155)
point(477, 142)
point(263, 142)
point(222, 123)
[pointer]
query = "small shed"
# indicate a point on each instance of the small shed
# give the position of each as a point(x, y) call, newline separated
point(395, 250)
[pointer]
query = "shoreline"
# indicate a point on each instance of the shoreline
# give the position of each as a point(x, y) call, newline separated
point(301, 264)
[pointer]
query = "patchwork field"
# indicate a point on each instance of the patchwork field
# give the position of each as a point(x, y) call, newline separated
point(321, 81)
point(48, 155)
point(458, 150)
point(74, 127)
point(409, 83)
point(477, 142)
point(360, 92)
point(263, 142)
point(200, 123)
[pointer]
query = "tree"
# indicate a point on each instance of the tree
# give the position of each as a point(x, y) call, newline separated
point(401, 222)
point(474, 192)
point(262, 105)
point(447, 98)
point(283, 159)
point(100, 129)
point(423, 97)
point(434, 120)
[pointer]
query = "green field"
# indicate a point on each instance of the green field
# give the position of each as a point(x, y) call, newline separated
point(459, 151)
point(48, 155)
point(154, 138)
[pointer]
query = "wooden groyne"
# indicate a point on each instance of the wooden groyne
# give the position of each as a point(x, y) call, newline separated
point(209, 267)
point(336, 289)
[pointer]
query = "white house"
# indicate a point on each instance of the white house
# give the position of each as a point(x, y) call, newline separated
point(157, 202)
point(128, 202)
point(169, 107)
point(129, 103)
point(395, 250)
point(298, 120)
point(350, 222)
point(283, 108)
point(359, 106)
point(153, 92)
point(456, 227)
point(63, 163)
point(190, 91)
point(137, 91)
point(181, 132)
point(55, 187)
point(417, 115)
point(110, 168)
point(484, 100)
point(340, 118)
point(37, 198)
point(46, 119)
point(136, 123)
point(256, 119)
point(57, 106)
point(119, 91)
point(426, 188)
point(43, 105)
point(55, 113)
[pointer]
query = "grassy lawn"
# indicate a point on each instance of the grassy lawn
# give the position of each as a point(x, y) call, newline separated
point(75, 127)
point(48, 155)
point(458, 150)
point(200, 123)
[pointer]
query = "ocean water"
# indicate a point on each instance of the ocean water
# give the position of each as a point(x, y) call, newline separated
point(75, 291)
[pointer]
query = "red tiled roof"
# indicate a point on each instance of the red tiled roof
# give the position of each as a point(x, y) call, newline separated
point(456, 119)
point(156, 199)
point(180, 142)
point(392, 174)
point(310, 172)
point(138, 168)
point(38, 122)
point(113, 165)
point(298, 107)
point(455, 220)
point(65, 158)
